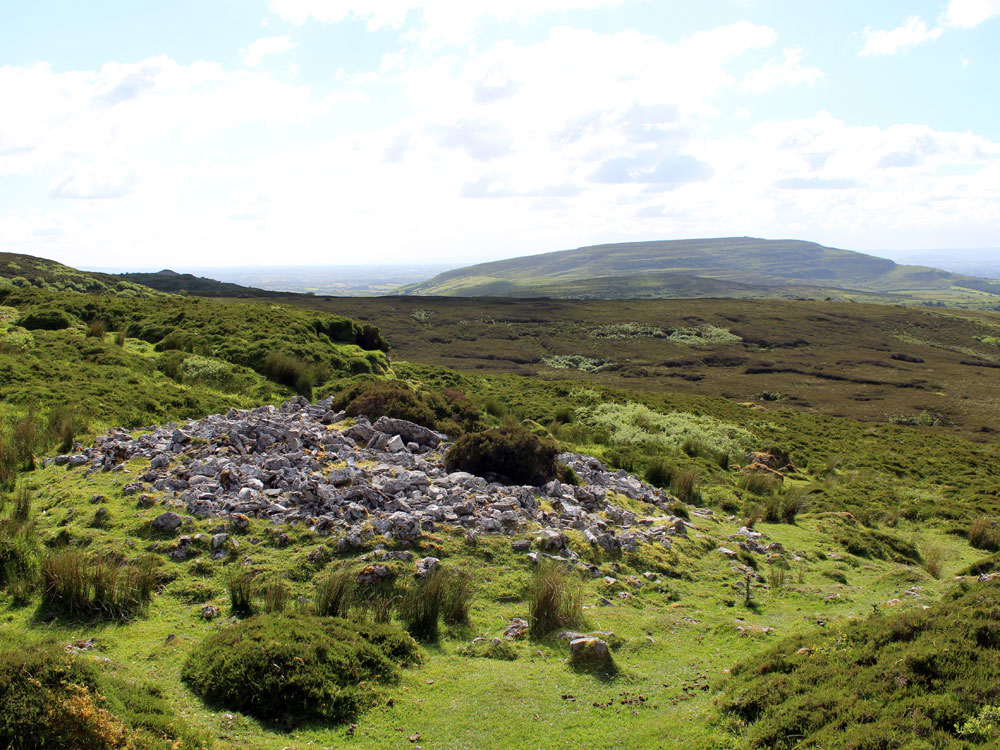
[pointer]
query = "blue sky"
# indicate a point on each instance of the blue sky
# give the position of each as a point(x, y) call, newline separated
point(229, 132)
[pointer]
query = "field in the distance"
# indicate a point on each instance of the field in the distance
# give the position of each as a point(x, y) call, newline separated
point(869, 362)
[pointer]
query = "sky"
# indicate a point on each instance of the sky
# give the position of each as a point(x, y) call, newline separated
point(202, 133)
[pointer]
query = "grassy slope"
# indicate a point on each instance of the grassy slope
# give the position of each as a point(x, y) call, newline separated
point(828, 357)
point(679, 637)
point(27, 271)
point(199, 286)
point(740, 260)
point(178, 357)
point(913, 488)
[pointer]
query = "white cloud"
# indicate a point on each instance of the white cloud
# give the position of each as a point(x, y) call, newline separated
point(911, 34)
point(438, 20)
point(268, 45)
point(102, 179)
point(788, 72)
point(965, 14)
point(574, 139)
point(123, 109)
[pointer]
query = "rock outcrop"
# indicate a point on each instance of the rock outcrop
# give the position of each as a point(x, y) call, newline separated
point(292, 464)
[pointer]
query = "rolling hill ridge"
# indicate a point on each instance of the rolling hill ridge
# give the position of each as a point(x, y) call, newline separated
point(729, 266)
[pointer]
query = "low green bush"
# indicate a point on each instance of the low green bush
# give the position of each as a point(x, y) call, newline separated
point(918, 678)
point(447, 410)
point(509, 452)
point(494, 648)
point(45, 319)
point(294, 668)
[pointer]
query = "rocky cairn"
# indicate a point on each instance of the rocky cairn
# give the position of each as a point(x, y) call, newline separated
point(381, 481)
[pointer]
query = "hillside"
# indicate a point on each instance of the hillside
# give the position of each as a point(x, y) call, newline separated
point(195, 554)
point(772, 267)
point(197, 286)
point(27, 271)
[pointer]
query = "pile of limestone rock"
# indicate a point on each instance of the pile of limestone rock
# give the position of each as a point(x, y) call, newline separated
point(304, 463)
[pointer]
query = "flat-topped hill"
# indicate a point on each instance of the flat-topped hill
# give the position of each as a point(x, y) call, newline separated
point(728, 266)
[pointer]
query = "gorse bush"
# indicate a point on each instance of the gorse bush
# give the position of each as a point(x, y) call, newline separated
point(293, 668)
point(555, 600)
point(510, 453)
point(59, 706)
point(75, 585)
point(575, 362)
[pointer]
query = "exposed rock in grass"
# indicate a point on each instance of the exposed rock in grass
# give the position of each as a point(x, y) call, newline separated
point(290, 464)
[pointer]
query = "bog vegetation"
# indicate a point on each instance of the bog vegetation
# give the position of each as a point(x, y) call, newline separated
point(815, 631)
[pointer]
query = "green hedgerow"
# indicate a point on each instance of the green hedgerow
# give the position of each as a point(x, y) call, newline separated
point(295, 667)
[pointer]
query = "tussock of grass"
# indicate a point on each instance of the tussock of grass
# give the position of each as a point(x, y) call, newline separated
point(335, 593)
point(77, 585)
point(242, 591)
point(555, 600)
point(985, 534)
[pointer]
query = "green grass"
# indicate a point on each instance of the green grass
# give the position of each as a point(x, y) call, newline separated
point(896, 679)
point(874, 516)
point(820, 357)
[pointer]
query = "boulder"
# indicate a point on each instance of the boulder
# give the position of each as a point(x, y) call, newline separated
point(426, 566)
point(408, 431)
point(591, 655)
point(167, 522)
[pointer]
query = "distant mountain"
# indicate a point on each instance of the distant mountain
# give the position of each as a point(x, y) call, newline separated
point(980, 261)
point(40, 273)
point(198, 286)
point(729, 266)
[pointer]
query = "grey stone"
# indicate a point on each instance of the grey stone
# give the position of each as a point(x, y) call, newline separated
point(426, 566)
point(167, 522)
point(591, 654)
